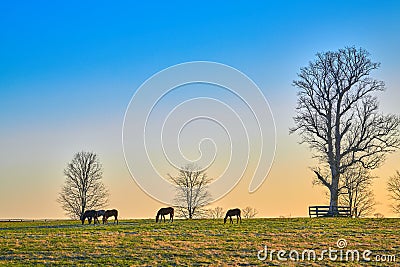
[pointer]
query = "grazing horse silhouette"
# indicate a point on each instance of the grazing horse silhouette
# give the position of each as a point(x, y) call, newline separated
point(233, 212)
point(99, 213)
point(164, 211)
point(109, 213)
point(89, 214)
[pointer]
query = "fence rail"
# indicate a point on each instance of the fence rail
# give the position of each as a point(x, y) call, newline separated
point(326, 211)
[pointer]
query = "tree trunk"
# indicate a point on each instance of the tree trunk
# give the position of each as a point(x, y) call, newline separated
point(351, 205)
point(334, 190)
point(83, 206)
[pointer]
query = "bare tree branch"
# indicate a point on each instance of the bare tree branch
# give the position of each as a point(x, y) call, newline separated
point(322, 179)
point(393, 187)
point(356, 191)
point(249, 212)
point(216, 213)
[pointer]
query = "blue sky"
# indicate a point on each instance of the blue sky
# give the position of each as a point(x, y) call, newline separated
point(87, 45)
point(68, 69)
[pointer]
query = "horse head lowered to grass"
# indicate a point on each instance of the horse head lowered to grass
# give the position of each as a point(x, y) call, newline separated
point(233, 212)
point(89, 214)
point(110, 213)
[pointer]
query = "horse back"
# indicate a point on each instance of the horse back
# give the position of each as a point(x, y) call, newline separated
point(164, 211)
point(233, 212)
point(109, 213)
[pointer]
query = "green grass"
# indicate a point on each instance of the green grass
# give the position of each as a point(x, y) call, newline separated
point(197, 242)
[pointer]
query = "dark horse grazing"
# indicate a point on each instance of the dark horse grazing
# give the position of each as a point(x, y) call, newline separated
point(100, 213)
point(89, 214)
point(109, 213)
point(165, 211)
point(233, 212)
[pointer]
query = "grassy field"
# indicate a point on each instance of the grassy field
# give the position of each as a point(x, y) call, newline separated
point(197, 242)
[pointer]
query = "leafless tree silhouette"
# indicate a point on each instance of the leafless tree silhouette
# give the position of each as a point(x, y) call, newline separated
point(379, 215)
point(83, 189)
point(192, 195)
point(394, 190)
point(249, 212)
point(337, 115)
point(355, 191)
point(216, 213)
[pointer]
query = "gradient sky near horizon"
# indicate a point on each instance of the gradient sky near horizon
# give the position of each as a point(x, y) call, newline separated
point(69, 69)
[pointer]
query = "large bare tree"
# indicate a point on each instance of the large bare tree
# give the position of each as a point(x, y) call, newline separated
point(394, 190)
point(355, 191)
point(338, 117)
point(83, 189)
point(192, 195)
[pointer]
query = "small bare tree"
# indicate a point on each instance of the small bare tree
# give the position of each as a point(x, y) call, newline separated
point(338, 117)
point(379, 215)
point(83, 189)
point(192, 195)
point(249, 212)
point(355, 191)
point(393, 187)
point(216, 213)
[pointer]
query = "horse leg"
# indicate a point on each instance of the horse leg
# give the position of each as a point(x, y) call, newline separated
point(163, 217)
point(230, 219)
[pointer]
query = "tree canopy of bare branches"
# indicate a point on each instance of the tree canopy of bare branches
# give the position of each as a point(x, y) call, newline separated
point(337, 115)
point(355, 191)
point(216, 213)
point(249, 212)
point(192, 195)
point(393, 187)
point(83, 189)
